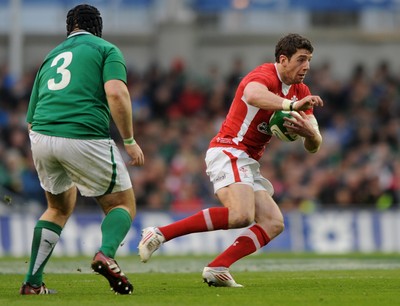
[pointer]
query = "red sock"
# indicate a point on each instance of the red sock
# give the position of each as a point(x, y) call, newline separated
point(248, 242)
point(209, 219)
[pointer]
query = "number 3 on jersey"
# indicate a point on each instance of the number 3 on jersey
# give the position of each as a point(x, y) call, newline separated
point(66, 59)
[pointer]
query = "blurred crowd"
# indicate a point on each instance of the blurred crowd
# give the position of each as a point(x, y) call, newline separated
point(177, 112)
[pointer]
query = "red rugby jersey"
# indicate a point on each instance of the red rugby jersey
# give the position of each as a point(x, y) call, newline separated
point(245, 126)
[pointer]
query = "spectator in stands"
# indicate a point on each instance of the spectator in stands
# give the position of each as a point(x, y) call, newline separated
point(339, 123)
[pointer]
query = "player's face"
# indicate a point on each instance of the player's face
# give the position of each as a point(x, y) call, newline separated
point(297, 67)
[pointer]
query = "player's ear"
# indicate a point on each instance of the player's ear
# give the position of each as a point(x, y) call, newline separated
point(283, 59)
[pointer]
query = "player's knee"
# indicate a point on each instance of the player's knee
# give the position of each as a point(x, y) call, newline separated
point(61, 211)
point(273, 226)
point(276, 227)
point(240, 219)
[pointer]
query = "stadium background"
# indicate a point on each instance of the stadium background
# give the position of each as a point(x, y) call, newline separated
point(184, 60)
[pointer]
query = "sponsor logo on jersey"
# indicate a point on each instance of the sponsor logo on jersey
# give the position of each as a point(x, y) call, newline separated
point(263, 128)
point(244, 171)
point(220, 177)
point(224, 140)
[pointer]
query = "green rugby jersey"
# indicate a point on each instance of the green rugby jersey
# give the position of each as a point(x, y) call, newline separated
point(68, 97)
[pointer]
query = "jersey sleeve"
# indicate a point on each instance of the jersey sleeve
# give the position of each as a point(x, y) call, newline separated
point(114, 66)
point(262, 78)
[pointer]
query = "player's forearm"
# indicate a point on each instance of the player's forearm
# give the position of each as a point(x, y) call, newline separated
point(121, 113)
point(258, 95)
point(120, 108)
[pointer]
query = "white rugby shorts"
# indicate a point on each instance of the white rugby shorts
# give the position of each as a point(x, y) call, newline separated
point(226, 166)
point(96, 167)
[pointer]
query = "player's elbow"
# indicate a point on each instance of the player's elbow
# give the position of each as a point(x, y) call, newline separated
point(313, 144)
point(116, 90)
point(312, 150)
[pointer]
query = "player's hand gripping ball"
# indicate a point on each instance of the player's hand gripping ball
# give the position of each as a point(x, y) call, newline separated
point(276, 126)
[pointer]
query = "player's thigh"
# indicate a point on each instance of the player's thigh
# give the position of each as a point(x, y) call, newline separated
point(239, 198)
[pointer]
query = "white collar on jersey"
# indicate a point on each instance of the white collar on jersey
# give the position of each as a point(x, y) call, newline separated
point(78, 32)
point(285, 87)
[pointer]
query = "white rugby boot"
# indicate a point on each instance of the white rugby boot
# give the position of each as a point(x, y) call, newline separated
point(150, 242)
point(219, 277)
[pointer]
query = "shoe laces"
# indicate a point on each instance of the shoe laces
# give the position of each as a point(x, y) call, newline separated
point(154, 242)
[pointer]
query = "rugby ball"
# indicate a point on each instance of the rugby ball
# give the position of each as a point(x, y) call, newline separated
point(276, 126)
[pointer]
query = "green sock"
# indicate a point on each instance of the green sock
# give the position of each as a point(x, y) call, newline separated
point(114, 228)
point(45, 238)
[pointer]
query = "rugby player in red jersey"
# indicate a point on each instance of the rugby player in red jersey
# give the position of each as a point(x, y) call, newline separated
point(232, 160)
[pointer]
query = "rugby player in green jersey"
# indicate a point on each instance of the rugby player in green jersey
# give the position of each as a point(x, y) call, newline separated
point(78, 89)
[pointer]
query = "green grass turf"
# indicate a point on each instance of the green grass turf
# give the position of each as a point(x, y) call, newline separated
point(303, 280)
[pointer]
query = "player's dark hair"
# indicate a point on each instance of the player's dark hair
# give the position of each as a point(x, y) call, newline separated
point(85, 17)
point(289, 44)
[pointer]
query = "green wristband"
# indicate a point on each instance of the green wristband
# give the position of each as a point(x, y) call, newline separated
point(129, 141)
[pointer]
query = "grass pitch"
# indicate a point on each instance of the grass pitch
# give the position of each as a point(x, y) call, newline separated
point(269, 279)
